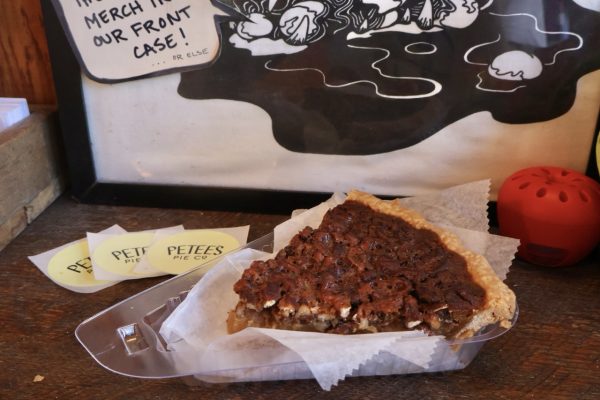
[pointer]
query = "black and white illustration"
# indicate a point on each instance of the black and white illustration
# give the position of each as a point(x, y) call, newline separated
point(321, 68)
point(391, 96)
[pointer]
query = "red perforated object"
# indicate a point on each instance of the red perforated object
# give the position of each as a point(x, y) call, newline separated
point(555, 212)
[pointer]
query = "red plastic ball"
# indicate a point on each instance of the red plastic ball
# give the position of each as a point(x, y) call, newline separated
point(555, 212)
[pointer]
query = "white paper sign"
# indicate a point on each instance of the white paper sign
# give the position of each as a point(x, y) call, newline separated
point(118, 39)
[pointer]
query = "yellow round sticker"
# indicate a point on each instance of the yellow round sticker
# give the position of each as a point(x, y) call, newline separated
point(119, 254)
point(72, 266)
point(183, 251)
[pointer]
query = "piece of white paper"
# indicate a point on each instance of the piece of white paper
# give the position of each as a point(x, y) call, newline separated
point(118, 40)
point(12, 110)
point(463, 206)
point(196, 331)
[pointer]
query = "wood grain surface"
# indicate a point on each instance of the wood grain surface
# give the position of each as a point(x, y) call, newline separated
point(24, 62)
point(553, 352)
point(32, 171)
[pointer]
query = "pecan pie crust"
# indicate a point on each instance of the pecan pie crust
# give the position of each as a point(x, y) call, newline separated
point(373, 266)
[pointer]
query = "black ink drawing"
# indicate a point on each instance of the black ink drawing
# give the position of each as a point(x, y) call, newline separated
point(372, 76)
point(520, 65)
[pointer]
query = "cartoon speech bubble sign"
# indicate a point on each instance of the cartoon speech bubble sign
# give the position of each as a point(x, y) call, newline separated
point(117, 40)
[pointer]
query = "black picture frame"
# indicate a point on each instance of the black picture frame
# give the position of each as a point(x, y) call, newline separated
point(85, 187)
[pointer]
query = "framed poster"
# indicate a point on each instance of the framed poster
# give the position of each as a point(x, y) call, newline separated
point(267, 99)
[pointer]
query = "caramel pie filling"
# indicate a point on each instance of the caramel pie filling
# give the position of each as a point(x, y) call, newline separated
point(359, 271)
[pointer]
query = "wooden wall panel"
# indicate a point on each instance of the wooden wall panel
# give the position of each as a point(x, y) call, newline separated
point(24, 62)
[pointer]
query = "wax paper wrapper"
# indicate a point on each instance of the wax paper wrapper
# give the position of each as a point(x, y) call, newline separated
point(196, 331)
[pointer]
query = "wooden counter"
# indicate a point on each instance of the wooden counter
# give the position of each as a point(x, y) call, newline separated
point(552, 353)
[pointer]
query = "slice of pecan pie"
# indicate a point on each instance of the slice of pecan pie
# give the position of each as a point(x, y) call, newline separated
point(372, 266)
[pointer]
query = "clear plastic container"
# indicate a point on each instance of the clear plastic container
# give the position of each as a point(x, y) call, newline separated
point(125, 339)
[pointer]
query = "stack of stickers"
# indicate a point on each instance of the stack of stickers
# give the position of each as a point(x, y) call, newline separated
point(105, 258)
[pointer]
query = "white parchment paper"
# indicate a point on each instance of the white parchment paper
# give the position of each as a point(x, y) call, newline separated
point(197, 333)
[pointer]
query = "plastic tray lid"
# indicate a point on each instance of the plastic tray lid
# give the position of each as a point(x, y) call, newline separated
point(125, 338)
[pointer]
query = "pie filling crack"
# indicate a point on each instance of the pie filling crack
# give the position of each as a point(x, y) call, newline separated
point(372, 266)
